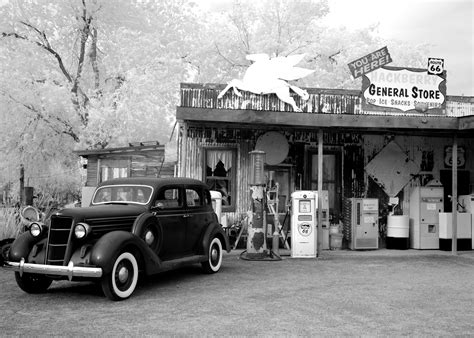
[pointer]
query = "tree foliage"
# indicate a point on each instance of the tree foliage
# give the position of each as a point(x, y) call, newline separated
point(97, 73)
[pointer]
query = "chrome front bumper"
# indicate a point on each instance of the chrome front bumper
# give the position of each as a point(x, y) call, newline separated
point(56, 270)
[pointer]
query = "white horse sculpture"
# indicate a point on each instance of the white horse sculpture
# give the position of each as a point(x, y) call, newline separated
point(269, 75)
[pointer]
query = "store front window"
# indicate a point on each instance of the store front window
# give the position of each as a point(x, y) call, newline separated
point(220, 170)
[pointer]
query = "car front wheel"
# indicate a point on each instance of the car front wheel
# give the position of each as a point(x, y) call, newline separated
point(121, 282)
point(214, 262)
point(32, 283)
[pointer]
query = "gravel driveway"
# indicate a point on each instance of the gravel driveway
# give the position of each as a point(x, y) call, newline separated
point(382, 292)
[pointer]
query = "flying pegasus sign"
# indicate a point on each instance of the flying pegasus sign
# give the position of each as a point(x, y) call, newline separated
point(270, 75)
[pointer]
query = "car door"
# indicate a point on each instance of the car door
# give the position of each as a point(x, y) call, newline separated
point(198, 215)
point(170, 203)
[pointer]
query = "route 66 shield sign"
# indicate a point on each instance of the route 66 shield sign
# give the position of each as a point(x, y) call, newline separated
point(435, 66)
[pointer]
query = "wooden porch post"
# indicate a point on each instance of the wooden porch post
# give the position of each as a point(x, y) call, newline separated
point(454, 193)
point(184, 151)
point(319, 241)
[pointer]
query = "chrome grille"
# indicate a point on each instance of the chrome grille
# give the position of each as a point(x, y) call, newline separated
point(59, 233)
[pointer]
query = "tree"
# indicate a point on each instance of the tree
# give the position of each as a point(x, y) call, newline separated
point(88, 74)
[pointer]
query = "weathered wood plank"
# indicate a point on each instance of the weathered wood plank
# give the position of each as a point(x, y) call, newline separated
point(321, 101)
point(302, 120)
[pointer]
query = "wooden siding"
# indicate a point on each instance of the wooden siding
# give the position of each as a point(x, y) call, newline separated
point(358, 149)
point(142, 164)
point(199, 137)
point(92, 172)
point(321, 101)
point(192, 164)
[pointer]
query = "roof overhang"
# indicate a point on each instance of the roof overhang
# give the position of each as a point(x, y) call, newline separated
point(142, 148)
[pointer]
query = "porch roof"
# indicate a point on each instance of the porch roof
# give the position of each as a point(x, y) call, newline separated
point(133, 149)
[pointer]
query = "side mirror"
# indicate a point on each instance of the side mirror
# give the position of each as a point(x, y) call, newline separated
point(158, 206)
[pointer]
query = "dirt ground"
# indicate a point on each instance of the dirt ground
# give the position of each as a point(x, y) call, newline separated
point(382, 292)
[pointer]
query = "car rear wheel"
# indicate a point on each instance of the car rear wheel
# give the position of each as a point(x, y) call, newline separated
point(214, 262)
point(32, 283)
point(121, 282)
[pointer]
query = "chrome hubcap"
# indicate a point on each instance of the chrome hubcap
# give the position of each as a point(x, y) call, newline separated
point(149, 237)
point(214, 254)
point(123, 274)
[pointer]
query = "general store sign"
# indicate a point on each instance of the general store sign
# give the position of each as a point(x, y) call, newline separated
point(404, 89)
point(370, 62)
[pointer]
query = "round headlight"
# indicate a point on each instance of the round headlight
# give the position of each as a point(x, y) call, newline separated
point(36, 229)
point(81, 230)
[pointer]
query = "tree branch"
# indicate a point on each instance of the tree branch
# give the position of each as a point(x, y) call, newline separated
point(68, 128)
point(93, 58)
point(232, 63)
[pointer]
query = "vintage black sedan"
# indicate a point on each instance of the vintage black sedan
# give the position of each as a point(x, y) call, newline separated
point(132, 226)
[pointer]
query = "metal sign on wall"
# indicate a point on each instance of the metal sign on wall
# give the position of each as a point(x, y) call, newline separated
point(404, 89)
point(448, 157)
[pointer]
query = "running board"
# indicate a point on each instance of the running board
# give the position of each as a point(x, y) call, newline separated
point(180, 262)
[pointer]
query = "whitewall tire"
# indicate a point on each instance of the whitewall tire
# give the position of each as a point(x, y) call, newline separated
point(123, 279)
point(214, 261)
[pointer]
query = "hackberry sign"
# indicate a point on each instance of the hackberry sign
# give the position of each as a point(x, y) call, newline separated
point(404, 89)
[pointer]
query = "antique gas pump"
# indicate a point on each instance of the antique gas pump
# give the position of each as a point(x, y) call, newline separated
point(303, 224)
point(257, 232)
point(256, 240)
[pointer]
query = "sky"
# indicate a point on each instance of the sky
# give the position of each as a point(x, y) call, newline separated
point(446, 25)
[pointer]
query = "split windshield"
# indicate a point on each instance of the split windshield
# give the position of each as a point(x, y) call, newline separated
point(137, 194)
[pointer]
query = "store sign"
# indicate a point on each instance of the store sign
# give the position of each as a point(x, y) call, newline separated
point(404, 89)
point(370, 62)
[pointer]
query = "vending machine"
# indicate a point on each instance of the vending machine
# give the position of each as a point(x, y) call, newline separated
point(303, 224)
point(425, 205)
point(364, 224)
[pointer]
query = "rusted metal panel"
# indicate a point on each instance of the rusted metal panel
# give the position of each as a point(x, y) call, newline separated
point(321, 101)
point(205, 96)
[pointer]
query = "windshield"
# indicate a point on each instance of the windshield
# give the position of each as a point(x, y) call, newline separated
point(137, 194)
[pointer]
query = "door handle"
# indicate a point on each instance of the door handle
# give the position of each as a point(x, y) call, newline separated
point(187, 215)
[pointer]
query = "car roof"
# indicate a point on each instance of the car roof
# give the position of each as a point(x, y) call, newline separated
point(153, 181)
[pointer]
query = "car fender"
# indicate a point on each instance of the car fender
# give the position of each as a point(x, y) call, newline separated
point(212, 230)
point(111, 244)
point(21, 246)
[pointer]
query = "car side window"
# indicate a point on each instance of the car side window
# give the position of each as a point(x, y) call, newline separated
point(194, 197)
point(207, 197)
point(169, 198)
